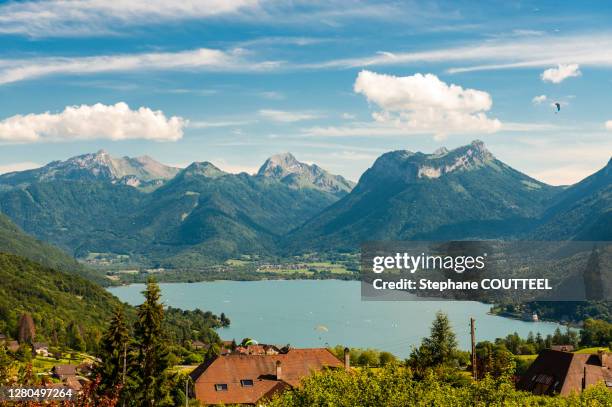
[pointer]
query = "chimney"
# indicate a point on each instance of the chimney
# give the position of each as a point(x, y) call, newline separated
point(279, 370)
point(603, 357)
point(347, 359)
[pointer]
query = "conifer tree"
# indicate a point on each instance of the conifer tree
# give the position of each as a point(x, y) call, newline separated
point(113, 353)
point(442, 342)
point(151, 379)
point(440, 348)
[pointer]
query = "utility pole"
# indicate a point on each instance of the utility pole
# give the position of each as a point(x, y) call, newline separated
point(473, 338)
point(187, 391)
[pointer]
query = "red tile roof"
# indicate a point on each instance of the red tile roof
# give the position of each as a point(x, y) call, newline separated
point(261, 369)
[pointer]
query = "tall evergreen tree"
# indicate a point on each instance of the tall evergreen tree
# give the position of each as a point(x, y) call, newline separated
point(152, 356)
point(113, 353)
point(440, 348)
point(442, 342)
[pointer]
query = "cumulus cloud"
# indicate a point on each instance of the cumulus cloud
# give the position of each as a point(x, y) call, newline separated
point(286, 117)
point(99, 121)
point(538, 100)
point(427, 104)
point(560, 73)
point(609, 125)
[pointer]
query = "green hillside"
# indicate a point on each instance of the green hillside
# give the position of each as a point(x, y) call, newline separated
point(581, 212)
point(14, 241)
point(57, 302)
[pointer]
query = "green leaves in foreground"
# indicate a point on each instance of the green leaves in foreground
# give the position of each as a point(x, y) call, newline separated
point(395, 386)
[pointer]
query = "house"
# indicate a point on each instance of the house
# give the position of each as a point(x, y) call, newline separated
point(63, 372)
point(41, 348)
point(559, 372)
point(249, 379)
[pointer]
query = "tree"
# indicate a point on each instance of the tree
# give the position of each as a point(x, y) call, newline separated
point(27, 329)
point(596, 333)
point(152, 357)
point(440, 348)
point(75, 339)
point(6, 366)
point(494, 359)
point(113, 350)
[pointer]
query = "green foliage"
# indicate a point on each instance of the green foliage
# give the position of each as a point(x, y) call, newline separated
point(67, 310)
point(6, 365)
point(394, 386)
point(494, 359)
point(439, 349)
point(113, 352)
point(14, 241)
point(596, 333)
point(149, 373)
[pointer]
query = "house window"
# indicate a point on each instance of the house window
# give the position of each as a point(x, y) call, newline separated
point(221, 387)
point(246, 383)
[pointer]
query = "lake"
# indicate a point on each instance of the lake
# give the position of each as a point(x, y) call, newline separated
point(295, 312)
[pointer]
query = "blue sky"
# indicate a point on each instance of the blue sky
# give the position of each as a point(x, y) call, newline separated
point(335, 82)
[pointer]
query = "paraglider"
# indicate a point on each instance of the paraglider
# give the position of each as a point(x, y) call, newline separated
point(558, 107)
point(321, 328)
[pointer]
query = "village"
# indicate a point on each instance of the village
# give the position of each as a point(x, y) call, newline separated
point(252, 373)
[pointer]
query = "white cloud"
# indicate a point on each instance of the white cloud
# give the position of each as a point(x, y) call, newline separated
point(113, 122)
point(216, 124)
point(609, 125)
point(531, 51)
point(202, 59)
point(425, 103)
point(538, 100)
point(286, 117)
point(348, 116)
point(560, 73)
point(95, 17)
point(22, 166)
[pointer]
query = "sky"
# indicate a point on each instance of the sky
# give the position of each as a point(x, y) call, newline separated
point(336, 82)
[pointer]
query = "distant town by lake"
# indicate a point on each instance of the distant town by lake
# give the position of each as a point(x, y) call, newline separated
point(317, 313)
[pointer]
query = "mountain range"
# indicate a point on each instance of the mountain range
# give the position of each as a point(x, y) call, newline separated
point(85, 205)
point(161, 215)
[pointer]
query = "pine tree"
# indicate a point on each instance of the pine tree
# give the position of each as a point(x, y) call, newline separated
point(113, 352)
point(440, 348)
point(442, 343)
point(150, 371)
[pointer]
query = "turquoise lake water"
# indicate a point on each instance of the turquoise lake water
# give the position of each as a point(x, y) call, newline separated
point(292, 311)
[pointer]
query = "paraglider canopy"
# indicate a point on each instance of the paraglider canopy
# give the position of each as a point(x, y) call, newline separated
point(321, 328)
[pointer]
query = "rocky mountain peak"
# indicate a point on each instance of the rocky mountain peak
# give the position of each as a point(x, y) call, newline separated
point(281, 165)
point(286, 168)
